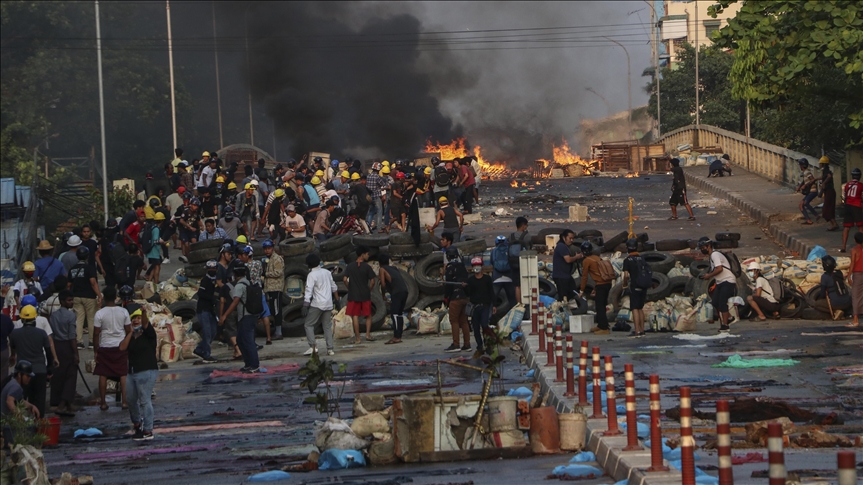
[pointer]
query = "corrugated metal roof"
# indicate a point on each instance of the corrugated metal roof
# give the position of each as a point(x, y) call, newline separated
point(7, 191)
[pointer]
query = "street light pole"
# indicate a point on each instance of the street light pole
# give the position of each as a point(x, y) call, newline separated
point(697, 102)
point(628, 84)
point(655, 52)
point(102, 114)
point(171, 72)
point(218, 88)
point(249, 71)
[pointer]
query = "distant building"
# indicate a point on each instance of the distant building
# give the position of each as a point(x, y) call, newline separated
point(16, 224)
point(678, 24)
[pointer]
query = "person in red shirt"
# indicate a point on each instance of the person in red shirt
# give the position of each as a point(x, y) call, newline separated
point(135, 228)
point(468, 181)
point(853, 207)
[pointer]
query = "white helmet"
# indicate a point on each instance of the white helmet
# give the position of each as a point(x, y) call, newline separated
point(754, 265)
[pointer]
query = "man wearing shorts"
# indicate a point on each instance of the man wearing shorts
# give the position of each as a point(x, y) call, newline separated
point(678, 191)
point(853, 207)
point(637, 296)
point(725, 281)
point(360, 279)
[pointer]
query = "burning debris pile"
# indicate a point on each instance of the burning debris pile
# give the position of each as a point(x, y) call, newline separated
point(569, 164)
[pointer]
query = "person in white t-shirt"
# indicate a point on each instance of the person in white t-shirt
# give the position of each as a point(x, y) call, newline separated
point(110, 327)
point(726, 283)
point(762, 299)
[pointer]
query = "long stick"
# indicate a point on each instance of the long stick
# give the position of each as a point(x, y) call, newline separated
point(83, 378)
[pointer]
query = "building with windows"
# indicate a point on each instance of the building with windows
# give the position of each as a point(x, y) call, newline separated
point(687, 21)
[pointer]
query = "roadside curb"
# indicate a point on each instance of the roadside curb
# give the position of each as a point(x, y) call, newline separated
point(761, 215)
point(609, 452)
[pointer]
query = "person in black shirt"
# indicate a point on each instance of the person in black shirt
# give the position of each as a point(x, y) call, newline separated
point(480, 289)
point(140, 343)
point(173, 177)
point(208, 204)
point(106, 242)
point(392, 281)
point(136, 264)
point(206, 312)
point(360, 279)
point(85, 289)
point(678, 191)
point(132, 216)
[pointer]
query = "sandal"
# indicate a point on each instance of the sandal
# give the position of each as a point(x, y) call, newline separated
point(851, 325)
point(807, 223)
point(672, 218)
point(358, 342)
point(370, 339)
point(103, 407)
point(691, 218)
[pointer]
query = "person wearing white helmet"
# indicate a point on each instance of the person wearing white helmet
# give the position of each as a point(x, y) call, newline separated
point(69, 258)
point(762, 298)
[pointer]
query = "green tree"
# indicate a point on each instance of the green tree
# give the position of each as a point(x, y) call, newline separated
point(677, 91)
point(792, 55)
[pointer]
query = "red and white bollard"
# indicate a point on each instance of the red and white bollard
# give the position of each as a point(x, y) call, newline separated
point(687, 442)
point(549, 340)
point(541, 318)
point(570, 372)
point(631, 418)
point(847, 468)
point(613, 429)
point(723, 442)
point(558, 352)
point(582, 374)
point(597, 386)
point(534, 313)
point(775, 454)
point(655, 428)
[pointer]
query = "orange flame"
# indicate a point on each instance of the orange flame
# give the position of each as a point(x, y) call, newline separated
point(513, 184)
point(457, 149)
point(563, 157)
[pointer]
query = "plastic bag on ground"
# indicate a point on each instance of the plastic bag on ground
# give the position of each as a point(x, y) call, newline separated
point(737, 362)
point(522, 393)
point(270, 476)
point(341, 459)
point(337, 434)
point(816, 254)
point(582, 457)
point(511, 321)
point(445, 327)
point(577, 471)
point(343, 326)
point(678, 270)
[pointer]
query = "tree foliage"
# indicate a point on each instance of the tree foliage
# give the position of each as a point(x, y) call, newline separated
point(785, 50)
point(677, 91)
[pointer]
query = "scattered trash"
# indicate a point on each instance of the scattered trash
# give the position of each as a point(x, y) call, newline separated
point(522, 393)
point(89, 432)
point(737, 362)
point(270, 476)
point(341, 459)
point(820, 439)
point(753, 457)
point(757, 432)
point(582, 457)
point(577, 471)
point(692, 336)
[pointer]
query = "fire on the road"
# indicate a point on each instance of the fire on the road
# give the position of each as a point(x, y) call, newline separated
point(563, 157)
point(456, 149)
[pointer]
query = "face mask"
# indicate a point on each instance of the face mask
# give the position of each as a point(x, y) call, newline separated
point(477, 269)
point(211, 275)
point(751, 274)
point(705, 251)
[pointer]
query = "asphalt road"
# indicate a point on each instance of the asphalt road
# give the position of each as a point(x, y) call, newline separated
point(272, 426)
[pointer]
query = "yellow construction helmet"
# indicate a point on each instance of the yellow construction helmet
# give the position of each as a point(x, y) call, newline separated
point(205, 154)
point(355, 176)
point(232, 186)
point(159, 216)
point(220, 179)
point(443, 200)
point(316, 180)
point(241, 239)
point(28, 267)
point(249, 186)
point(427, 171)
point(385, 170)
point(346, 174)
point(824, 160)
point(385, 163)
point(28, 313)
point(319, 173)
point(279, 193)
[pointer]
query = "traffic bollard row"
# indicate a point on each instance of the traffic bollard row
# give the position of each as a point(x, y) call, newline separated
point(613, 429)
point(723, 442)
point(631, 418)
point(541, 324)
point(582, 375)
point(549, 340)
point(687, 442)
point(534, 310)
point(775, 454)
point(655, 428)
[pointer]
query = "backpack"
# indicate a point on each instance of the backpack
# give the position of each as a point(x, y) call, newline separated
point(515, 246)
point(121, 266)
point(777, 289)
point(500, 258)
point(733, 263)
point(606, 270)
point(254, 300)
point(146, 238)
point(442, 177)
point(644, 278)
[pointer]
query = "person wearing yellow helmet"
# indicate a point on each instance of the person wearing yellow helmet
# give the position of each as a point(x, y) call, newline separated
point(386, 195)
point(273, 214)
point(30, 342)
point(242, 239)
point(355, 176)
point(28, 285)
point(316, 180)
point(452, 218)
point(319, 174)
point(247, 209)
point(828, 194)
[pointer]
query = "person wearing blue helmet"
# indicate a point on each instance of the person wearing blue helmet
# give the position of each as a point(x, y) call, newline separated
point(41, 322)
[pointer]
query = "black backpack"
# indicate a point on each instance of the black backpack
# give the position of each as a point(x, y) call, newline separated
point(254, 300)
point(644, 278)
point(146, 238)
point(442, 177)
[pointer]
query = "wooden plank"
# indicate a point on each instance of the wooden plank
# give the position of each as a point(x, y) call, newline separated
point(480, 454)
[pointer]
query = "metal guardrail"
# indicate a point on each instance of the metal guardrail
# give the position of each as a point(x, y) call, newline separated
point(773, 162)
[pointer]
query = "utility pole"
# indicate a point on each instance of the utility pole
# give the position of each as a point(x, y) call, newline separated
point(218, 88)
point(102, 113)
point(697, 101)
point(628, 84)
point(656, 69)
point(249, 70)
point(171, 72)
point(274, 139)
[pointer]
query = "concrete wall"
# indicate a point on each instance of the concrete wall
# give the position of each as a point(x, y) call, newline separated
point(771, 161)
